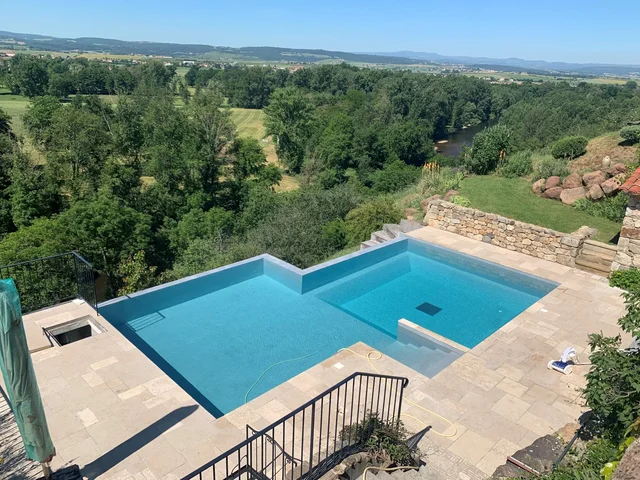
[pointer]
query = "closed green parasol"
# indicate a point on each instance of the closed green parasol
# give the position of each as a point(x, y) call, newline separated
point(20, 379)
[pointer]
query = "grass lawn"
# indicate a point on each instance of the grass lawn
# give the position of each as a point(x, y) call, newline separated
point(15, 106)
point(249, 122)
point(513, 198)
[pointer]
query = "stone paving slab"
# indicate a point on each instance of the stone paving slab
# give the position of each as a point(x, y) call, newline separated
point(117, 415)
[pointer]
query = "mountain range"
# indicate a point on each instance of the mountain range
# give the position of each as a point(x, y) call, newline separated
point(10, 40)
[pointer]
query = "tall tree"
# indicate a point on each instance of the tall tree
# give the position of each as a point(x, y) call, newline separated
point(33, 194)
point(77, 149)
point(288, 118)
point(29, 75)
point(211, 131)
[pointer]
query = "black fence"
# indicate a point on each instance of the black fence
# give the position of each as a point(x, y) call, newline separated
point(315, 437)
point(47, 281)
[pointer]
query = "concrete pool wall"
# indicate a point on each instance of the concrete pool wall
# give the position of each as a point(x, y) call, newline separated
point(302, 281)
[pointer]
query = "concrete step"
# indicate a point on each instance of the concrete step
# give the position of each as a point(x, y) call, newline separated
point(408, 474)
point(601, 247)
point(595, 250)
point(381, 475)
point(368, 243)
point(589, 257)
point(392, 229)
point(593, 267)
point(409, 225)
point(381, 236)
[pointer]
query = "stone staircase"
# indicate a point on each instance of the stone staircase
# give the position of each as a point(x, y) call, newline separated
point(428, 472)
point(596, 257)
point(389, 232)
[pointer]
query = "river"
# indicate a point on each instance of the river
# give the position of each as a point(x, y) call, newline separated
point(456, 140)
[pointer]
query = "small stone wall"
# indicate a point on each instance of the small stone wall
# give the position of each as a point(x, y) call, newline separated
point(628, 254)
point(504, 232)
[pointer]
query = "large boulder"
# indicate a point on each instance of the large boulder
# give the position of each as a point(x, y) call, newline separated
point(569, 196)
point(552, 193)
point(538, 186)
point(611, 186)
point(552, 182)
point(595, 192)
point(618, 168)
point(572, 181)
point(593, 178)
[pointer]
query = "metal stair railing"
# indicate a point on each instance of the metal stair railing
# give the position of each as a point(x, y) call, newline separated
point(313, 438)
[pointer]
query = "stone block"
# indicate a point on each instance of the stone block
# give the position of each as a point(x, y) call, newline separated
point(629, 232)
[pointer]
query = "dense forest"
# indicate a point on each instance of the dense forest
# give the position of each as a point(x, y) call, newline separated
point(157, 184)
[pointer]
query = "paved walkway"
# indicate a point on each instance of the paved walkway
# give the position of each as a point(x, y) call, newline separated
point(117, 415)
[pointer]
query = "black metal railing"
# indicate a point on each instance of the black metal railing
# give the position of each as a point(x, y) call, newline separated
point(308, 442)
point(47, 281)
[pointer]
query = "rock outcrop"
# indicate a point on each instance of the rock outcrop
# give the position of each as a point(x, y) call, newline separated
point(569, 196)
point(594, 185)
point(572, 181)
point(539, 186)
point(595, 192)
point(552, 182)
point(553, 193)
point(593, 178)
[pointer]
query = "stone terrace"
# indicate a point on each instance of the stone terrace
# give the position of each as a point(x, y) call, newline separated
point(117, 415)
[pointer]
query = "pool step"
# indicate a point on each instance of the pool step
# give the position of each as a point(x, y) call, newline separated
point(425, 360)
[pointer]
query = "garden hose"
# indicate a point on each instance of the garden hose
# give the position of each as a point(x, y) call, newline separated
point(270, 367)
point(369, 357)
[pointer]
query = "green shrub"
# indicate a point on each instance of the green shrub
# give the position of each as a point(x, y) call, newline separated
point(393, 177)
point(613, 382)
point(386, 442)
point(462, 201)
point(518, 165)
point(490, 147)
point(611, 208)
point(369, 217)
point(631, 133)
point(335, 234)
point(545, 166)
point(439, 180)
point(626, 279)
point(569, 147)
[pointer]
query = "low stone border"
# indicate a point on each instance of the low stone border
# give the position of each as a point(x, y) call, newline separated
point(540, 242)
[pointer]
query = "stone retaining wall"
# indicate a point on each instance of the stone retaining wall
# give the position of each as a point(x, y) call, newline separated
point(628, 254)
point(504, 232)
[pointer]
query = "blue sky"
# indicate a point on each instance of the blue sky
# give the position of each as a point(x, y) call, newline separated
point(560, 30)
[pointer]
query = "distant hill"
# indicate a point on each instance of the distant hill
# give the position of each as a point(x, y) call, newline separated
point(121, 47)
point(295, 55)
point(540, 65)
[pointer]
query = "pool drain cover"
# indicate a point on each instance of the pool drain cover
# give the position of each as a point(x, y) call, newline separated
point(428, 308)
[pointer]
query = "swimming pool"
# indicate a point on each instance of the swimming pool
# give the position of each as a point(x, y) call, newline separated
point(216, 332)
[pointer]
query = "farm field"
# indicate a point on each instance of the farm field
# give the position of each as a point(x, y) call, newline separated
point(545, 78)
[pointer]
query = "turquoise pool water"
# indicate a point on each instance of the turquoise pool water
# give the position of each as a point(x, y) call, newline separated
point(215, 333)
